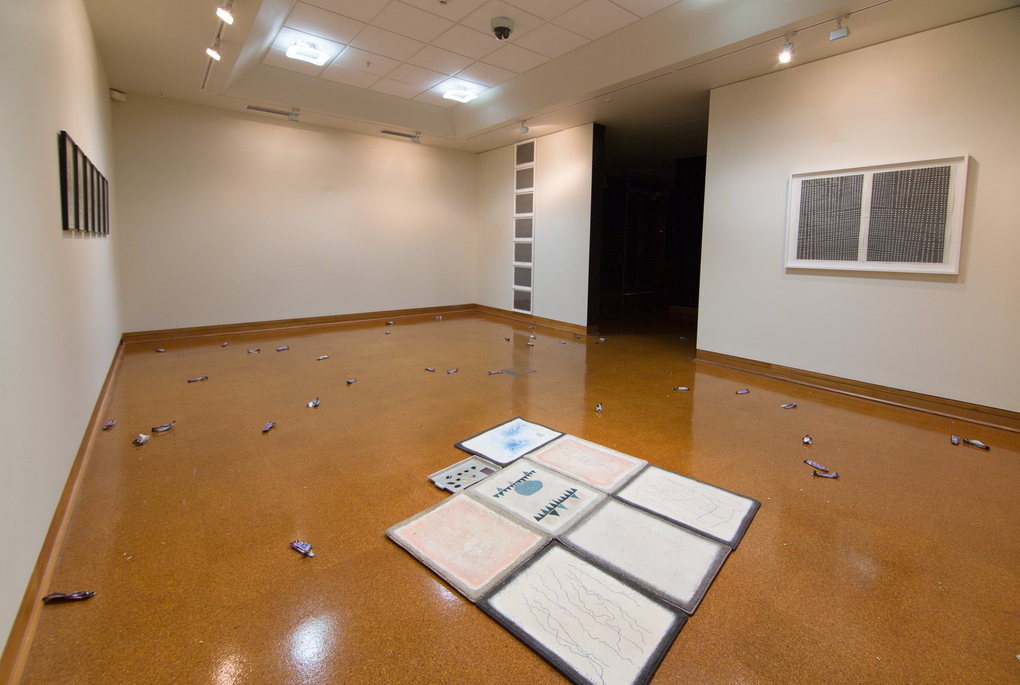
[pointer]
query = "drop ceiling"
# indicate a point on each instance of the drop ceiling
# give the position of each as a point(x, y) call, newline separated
point(642, 67)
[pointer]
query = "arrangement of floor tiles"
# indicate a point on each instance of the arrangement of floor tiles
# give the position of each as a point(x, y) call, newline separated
point(591, 557)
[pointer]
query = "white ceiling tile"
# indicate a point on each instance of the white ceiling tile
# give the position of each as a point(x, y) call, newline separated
point(547, 9)
point(437, 59)
point(390, 87)
point(480, 19)
point(468, 42)
point(485, 74)
point(351, 77)
point(454, 10)
point(278, 58)
point(386, 43)
point(287, 37)
point(643, 8)
point(517, 60)
point(433, 98)
point(319, 22)
point(353, 58)
point(551, 40)
point(362, 10)
point(408, 73)
point(595, 18)
point(411, 22)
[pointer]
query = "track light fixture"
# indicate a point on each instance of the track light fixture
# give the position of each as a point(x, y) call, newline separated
point(786, 54)
point(214, 51)
point(523, 129)
point(224, 13)
point(841, 31)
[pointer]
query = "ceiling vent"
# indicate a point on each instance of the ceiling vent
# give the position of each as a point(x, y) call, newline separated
point(292, 114)
point(413, 137)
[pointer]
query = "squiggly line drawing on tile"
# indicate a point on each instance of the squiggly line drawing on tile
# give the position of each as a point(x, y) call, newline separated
point(687, 503)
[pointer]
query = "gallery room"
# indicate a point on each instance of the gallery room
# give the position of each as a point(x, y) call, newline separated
point(510, 341)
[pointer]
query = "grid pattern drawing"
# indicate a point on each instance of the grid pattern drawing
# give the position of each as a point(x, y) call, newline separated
point(909, 210)
point(830, 218)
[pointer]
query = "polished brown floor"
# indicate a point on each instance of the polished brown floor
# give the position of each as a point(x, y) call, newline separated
point(906, 569)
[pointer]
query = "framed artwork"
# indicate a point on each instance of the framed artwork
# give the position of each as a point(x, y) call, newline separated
point(536, 496)
point(469, 545)
point(508, 441)
point(463, 474)
point(68, 208)
point(81, 188)
point(896, 217)
point(594, 627)
point(91, 198)
point(106, 207)
point(711, 511)
point(84, 191)
point(668, 560)
point(593, 464)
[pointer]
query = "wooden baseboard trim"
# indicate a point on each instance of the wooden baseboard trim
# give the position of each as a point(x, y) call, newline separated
point(15, 654)
point(286, 324)
point(536, 320)
point(954, 409)
point(169, 334)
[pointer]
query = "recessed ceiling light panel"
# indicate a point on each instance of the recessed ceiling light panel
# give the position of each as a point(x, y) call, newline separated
point(306, 51)
point(459, 90)
point(460, 94)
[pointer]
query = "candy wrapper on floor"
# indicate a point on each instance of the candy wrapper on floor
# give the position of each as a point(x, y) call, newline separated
point(303, 547)
point(61, 597)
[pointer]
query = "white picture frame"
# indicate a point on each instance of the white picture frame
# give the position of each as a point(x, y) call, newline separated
point(952, 236)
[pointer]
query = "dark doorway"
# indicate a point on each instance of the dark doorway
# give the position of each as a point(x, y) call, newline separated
point(650, 261)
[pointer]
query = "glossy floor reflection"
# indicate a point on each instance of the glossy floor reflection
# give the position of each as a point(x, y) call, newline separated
point(903, 570)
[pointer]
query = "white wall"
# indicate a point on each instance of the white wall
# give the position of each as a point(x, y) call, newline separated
point(562, 226)
point(228, 218)
point(59, 309)
point(950, 91)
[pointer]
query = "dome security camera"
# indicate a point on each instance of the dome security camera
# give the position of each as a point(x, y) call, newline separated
point(502, 27)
